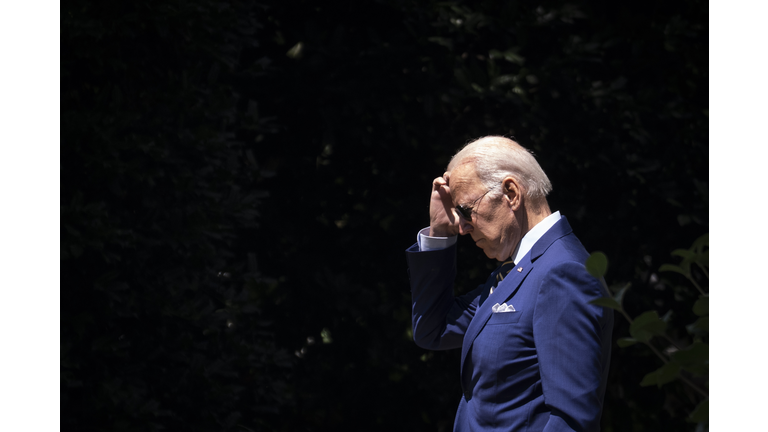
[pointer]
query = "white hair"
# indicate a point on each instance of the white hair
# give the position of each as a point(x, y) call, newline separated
point(496, 157)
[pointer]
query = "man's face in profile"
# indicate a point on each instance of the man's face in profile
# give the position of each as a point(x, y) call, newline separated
point(493, 226)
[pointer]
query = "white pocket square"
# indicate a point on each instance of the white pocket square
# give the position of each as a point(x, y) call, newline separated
point(499, 308)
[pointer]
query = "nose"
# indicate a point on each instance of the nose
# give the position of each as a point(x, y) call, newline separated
point(465, 226)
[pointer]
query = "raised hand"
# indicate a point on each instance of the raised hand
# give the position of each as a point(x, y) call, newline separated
point(443, 219)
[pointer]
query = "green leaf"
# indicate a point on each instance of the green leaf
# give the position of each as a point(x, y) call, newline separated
point(662, 375)
point(694, 358)
point(700, 243)
point(646, 326)
point(597, 264)
point(701, 325)
point(296, 51)
point(701, 307)
point(672, 268)
point(607, 302)
point(625, 342)
point(686, 254)
point(701, 413)
point(326, 335)
point(620, 295)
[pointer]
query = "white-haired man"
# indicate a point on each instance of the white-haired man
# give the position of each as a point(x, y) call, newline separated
point(535, 353)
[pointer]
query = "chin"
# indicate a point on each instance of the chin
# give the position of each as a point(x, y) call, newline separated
point(498, 256)
point(489, 254)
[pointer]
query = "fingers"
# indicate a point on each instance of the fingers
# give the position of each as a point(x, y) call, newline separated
point(440, 184)
point(443, 180)
point(443, 217)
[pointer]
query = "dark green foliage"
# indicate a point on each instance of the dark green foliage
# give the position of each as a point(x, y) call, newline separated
point(662, 375)
point(684, 357)
point(597, 264)
point(240, 180)
point(646, 326)
point(156, 188)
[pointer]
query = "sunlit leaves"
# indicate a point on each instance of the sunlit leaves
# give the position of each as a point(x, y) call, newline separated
point(296, 51)
point(326, 335)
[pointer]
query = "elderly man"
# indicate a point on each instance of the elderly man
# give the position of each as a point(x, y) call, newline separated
point(534, 352)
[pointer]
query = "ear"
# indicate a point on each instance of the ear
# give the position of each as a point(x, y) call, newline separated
point(513, 193)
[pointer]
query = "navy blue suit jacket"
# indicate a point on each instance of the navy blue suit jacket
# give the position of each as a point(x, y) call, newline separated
point(541, 368)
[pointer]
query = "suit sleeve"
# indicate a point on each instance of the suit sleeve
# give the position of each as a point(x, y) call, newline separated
point(439, 319)
point(572, 340)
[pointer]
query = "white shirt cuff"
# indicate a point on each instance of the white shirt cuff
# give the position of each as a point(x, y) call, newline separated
point(427, 243)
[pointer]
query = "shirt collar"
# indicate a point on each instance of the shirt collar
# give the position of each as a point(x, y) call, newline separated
point(532, 236)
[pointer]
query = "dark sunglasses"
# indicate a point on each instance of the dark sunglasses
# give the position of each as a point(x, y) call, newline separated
point(466, 211)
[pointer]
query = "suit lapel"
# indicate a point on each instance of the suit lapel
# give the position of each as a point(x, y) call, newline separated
point(509, 286)
point(501, 294)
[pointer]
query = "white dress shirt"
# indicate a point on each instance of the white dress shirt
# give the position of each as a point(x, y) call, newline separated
point(427, 243)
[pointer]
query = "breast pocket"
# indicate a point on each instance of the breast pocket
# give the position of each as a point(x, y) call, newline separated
point(505, 318)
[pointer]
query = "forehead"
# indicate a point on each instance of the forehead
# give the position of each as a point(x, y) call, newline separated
point(464, 183)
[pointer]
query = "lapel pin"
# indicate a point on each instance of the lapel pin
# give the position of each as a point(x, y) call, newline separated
point(519, 269)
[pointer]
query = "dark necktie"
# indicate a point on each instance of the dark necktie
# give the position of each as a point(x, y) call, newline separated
point(502, 272)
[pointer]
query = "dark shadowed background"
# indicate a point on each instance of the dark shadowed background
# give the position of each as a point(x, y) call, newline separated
point(239, 182)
